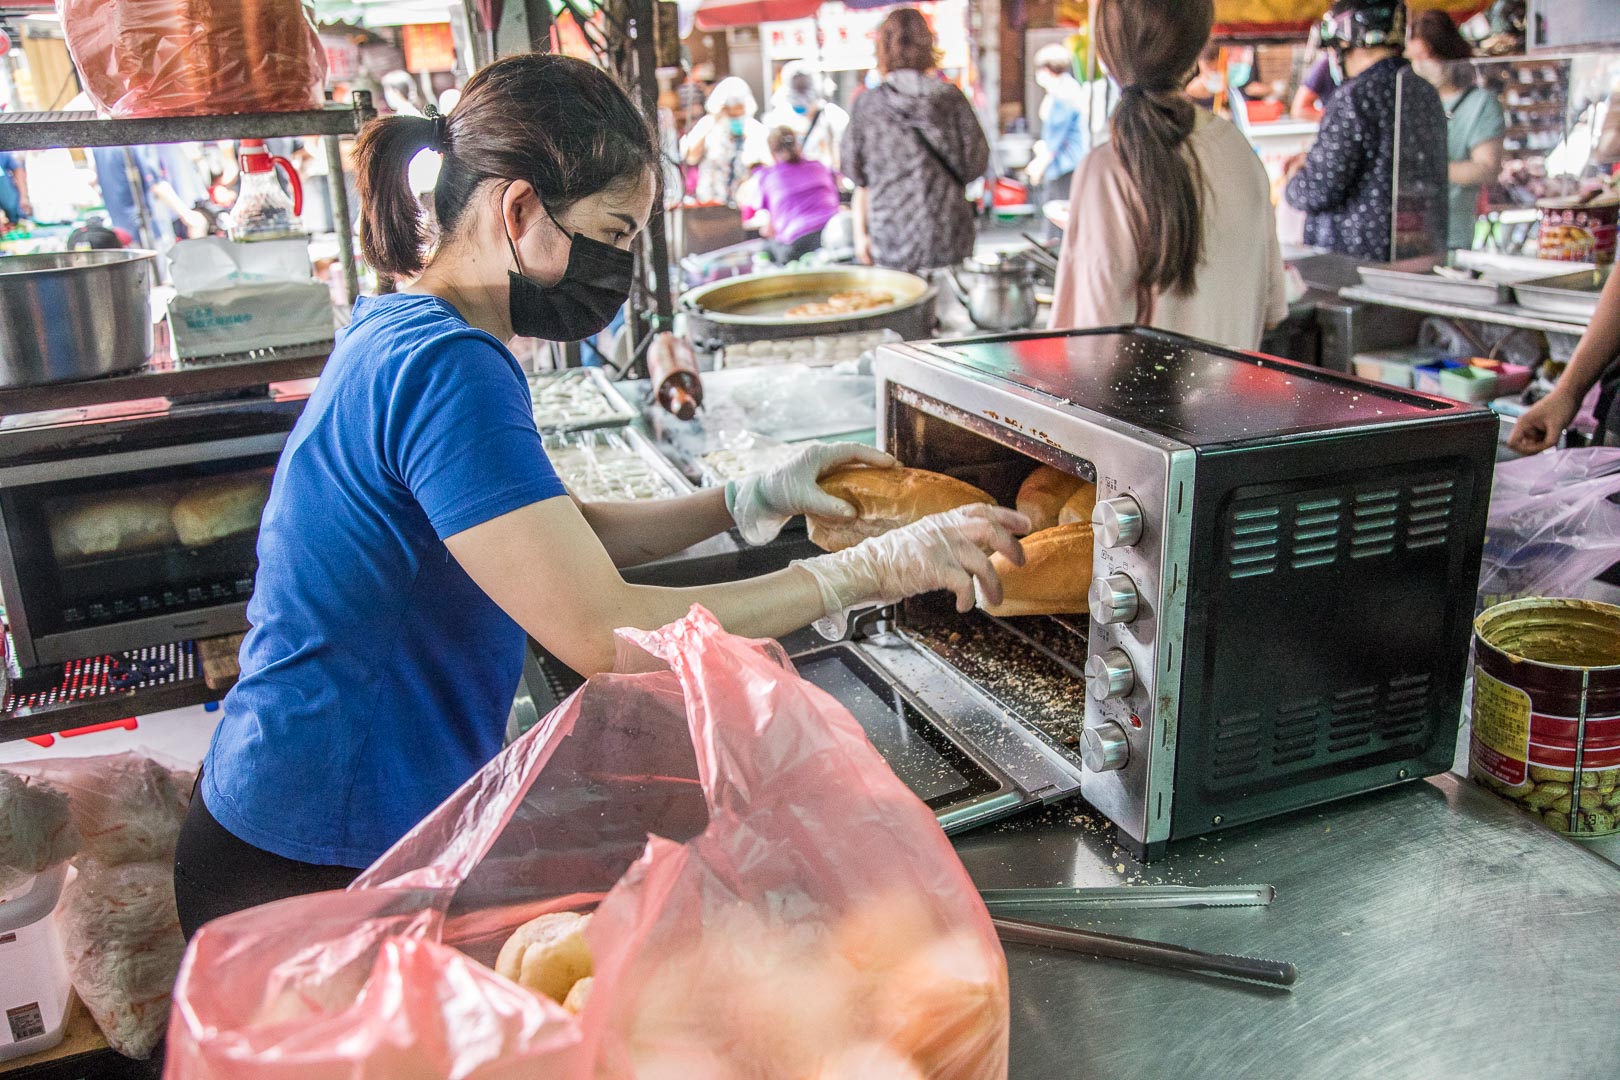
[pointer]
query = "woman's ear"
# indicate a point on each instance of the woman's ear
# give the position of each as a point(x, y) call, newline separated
point(520, 206)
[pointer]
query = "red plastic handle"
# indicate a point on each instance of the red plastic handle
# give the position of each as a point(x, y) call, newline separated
point(293, 182)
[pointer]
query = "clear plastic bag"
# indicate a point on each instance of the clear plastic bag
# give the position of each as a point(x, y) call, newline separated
point(798, 914)
point(184, 58)
point(1552, 526)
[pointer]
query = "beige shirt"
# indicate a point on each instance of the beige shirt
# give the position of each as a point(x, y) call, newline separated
point(1239, 287)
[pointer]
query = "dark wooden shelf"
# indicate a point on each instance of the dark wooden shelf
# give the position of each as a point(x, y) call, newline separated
point(165, 377)
point(25, 724)
point(49, 130)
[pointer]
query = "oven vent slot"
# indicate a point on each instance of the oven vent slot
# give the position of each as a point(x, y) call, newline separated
point(1428, 514)
point(1253, 541)
point(1237, 746)
point(1296, 733)
point(1315, 538)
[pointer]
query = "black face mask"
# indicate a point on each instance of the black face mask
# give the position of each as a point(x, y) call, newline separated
point(594, 286)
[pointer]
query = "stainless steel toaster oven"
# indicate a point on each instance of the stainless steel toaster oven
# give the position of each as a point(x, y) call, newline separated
point(1282, 584)
point(135, 528)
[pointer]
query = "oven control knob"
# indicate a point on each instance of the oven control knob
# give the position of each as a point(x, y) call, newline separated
point(1113, 600)
point(1117, 522)
point(1104, 748)
point(1110, 675)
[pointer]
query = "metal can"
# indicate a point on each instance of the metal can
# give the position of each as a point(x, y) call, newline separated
point(1546, 716)
point(1578, 229)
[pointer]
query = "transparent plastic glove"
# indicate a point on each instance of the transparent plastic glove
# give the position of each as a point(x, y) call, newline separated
point(763, 502)
point(944, 551)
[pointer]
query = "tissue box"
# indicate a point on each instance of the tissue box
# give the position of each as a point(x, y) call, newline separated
point(233, 298)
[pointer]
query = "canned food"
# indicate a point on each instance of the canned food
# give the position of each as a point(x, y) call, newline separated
point(1576, 231)
point(1546, 717)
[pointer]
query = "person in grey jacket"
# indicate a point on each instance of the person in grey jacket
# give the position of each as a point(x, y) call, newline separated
point(912, 146)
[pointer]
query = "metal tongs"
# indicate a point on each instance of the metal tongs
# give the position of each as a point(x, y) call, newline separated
point(1139, 950)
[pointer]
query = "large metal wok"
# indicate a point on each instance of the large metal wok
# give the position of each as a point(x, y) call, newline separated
point(754, 307)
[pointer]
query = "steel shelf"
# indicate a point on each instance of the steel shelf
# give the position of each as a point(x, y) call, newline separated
point(166, 377)
point(49, 130)
point(1501, 314)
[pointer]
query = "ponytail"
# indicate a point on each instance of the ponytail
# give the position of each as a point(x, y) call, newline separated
point(1150, 46)
point(1150, 129)
point(562, 125)
point(392, 234)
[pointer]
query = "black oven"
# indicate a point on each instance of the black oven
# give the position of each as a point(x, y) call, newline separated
point(134, 530)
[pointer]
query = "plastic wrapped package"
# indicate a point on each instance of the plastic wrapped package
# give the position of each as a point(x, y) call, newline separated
point(117, 916)
point(127, 807)
point(36, 831)
point(1553, 527)
point(195, 57)
point(123, 943)
point(798, 913)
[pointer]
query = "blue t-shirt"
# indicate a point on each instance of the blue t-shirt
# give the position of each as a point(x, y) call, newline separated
point(377, 676)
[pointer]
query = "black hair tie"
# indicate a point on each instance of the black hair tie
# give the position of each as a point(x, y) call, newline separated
point(441, 129)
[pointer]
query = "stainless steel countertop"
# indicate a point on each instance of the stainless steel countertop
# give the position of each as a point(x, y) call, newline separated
point(1437, 931)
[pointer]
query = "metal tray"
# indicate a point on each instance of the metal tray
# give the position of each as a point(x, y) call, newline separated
point(617, 411)
point(1566, 294)
point(1428, 285)
point(623, 441)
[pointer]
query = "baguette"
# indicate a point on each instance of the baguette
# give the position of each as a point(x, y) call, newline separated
point(1042, 494)
point(1055, 577)
point(221, 508)
point(1077, 511)
point(886, 499)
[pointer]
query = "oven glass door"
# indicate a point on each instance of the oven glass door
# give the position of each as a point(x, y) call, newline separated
point(94, 551)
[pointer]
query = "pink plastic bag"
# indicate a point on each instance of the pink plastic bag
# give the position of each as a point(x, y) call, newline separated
point(1552, 527)
point(798, 915)
point(195, 57)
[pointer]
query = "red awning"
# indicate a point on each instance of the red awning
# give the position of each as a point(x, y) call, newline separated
point(719, 14)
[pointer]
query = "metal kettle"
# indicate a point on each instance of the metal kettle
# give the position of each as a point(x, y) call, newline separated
point(998, 291)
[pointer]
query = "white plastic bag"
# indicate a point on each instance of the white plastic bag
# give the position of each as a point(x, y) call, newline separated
point(235, 297)
point(1552, 527)
point(36, 831)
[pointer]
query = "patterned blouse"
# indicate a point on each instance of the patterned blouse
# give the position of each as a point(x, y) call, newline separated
point(1348, 187)
point(919, 218)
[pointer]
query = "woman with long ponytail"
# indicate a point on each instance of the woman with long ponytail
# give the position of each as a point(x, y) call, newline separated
point(1170, 222)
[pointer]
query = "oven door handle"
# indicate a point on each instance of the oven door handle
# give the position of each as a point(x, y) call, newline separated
point(141, 460)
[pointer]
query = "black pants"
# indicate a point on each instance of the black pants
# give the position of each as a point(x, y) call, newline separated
point(782, 254)
point(216, 874)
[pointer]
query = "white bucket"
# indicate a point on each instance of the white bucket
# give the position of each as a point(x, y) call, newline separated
point(34, 987)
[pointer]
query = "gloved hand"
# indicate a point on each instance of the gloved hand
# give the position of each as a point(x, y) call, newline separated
point(761, 503)
point(943, 551)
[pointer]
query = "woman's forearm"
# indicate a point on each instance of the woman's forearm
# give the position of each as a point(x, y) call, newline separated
point(859, 205)
point(1598, 346)
point(641, 531)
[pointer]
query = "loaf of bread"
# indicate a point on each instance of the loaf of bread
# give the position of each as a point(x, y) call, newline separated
point(1055, 577)
point(1042, 494)
point(221, 508)
point(95, 525)
point(886, 499)
point(1077, 511)
point(548, 954)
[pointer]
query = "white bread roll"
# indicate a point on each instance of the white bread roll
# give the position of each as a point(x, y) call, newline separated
point(548, 954)
point(1055, 577)
point(1042, 494)
point(886, 499)
point(103, 524)
point(221, 508)
point(1077, 511)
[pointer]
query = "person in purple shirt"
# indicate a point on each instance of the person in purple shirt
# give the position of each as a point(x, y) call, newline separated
point(800, 196)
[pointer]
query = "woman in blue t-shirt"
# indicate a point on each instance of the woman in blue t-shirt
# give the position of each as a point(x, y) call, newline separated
point(416, 532)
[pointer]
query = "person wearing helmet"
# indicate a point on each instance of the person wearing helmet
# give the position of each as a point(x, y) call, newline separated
point(801, 104)
point(1373, 186)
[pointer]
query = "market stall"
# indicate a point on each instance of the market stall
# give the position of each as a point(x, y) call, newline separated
point(1201, 759)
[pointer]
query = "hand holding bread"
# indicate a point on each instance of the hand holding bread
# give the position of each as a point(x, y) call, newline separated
point(885, 499)
point(761, 503)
